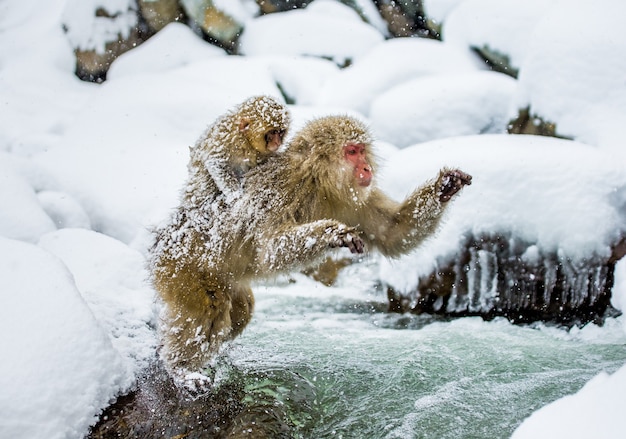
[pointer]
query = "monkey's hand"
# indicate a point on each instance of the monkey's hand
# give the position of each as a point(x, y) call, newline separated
point(450, 182)
point(343, 236)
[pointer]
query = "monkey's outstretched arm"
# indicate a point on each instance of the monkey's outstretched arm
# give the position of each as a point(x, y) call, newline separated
point(397, 230)
point(299, 245)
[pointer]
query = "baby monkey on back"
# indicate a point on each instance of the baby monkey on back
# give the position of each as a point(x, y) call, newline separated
point(236, 142)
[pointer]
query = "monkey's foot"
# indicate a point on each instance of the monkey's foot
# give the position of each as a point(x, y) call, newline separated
point(346, 237)
point(194, 384)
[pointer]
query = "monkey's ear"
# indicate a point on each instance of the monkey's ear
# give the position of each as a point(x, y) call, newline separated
point(244, 123)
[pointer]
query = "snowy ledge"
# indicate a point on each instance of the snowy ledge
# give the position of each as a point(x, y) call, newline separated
point(533, 238)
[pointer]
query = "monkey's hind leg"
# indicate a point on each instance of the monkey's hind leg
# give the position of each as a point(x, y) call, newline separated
point(193, 328)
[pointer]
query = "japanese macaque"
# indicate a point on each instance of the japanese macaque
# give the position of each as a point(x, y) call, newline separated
point(318, 195)
point(236, 142)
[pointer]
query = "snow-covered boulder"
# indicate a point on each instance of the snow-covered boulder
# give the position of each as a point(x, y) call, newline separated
point(325, 28)
point(58, 369)
point(438, 106)
point(569, 57)
point(113, 280)
point(389, 64)
point(501, 27)
point(174, 46)
point(574, 70)
point(99, 33)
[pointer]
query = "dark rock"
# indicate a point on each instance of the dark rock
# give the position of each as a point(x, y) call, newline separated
point(152, 16)
point(528, 123)
point(159, 13)
point(238, 406)
point(215, 25)
point(500, 275)
point(93, 66)
point(157, 408)
point(407, 19)
point(271, 6)
point(497, 61)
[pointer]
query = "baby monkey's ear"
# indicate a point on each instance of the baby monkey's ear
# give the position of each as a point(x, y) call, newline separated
point(244, 124)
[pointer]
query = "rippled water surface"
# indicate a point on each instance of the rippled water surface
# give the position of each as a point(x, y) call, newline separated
point(339, 366)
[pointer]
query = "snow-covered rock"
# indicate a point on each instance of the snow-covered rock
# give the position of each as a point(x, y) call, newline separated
point(563, 197)
point(176, 45)
point(325, 29)
point(502, 26)
point(113, 280)
point(59, 368)
point(438, 106)
point(573, 74)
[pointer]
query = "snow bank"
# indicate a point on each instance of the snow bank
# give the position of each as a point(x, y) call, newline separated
point(31, 30)
point(113, 280)
point(325, 29)
point(368, 10)
point(64, 210)
point(127, 167)
point(34, 51)
point(447, 105)
point(21, 215)
point(58, 368)
point(597, 410)
point(559, 194)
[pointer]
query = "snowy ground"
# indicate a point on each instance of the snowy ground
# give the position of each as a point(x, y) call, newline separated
point(86, 169)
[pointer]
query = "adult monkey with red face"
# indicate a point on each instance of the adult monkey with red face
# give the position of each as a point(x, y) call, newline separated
point(294, 209)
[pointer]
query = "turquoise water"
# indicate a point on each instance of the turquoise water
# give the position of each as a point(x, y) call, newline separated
point(341, 367)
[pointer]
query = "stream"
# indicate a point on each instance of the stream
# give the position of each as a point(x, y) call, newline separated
point(338, 365)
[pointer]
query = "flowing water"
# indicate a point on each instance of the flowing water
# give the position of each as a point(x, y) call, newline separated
point(339, 366)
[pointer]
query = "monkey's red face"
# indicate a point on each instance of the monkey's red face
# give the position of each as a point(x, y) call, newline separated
point(356, 155)
point(273, 139)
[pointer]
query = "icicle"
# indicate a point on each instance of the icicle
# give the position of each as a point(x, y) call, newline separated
point(502, 275)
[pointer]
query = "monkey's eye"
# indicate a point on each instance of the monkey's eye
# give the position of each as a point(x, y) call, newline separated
point(351, 151)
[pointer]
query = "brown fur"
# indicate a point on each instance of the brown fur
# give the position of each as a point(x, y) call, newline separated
point(294, 210)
